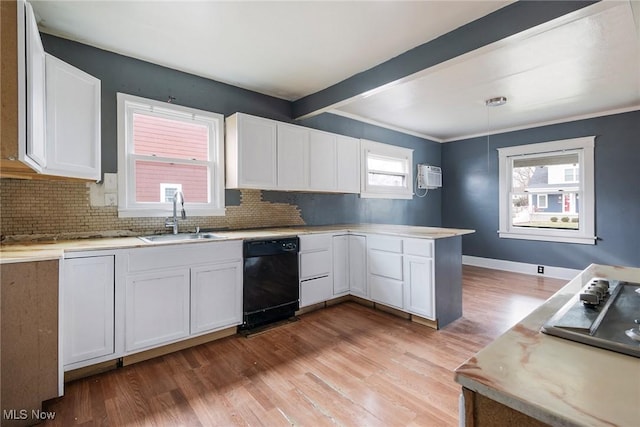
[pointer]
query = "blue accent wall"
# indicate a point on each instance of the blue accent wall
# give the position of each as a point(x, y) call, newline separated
point(470, 196)
point(120, 73)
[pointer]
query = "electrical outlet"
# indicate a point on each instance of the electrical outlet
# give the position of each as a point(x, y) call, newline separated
point(540, 269)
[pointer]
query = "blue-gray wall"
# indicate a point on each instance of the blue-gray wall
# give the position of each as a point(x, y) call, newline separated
point(124, 74)
point(470, 196)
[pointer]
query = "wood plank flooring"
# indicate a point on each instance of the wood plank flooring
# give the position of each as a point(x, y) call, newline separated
point(347, 365)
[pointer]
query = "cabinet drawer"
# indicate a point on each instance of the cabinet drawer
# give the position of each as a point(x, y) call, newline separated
point(144, 259)
point(315, 290)
point(385, 264)
point(315, 242)
point(315, 264)
point(419, 247)
point(386, 291)
point(383, 243)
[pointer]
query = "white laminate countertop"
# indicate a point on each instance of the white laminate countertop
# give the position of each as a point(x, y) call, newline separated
point(26, 251)
point(557, 381)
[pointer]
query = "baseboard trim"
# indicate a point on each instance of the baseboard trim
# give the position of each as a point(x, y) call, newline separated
point(520, 267)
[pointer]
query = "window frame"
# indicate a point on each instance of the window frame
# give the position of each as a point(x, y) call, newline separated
point(544, 197)
point(586, 204)
point(127, 206)
point(392, 152)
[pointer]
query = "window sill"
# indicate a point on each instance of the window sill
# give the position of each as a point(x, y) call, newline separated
point(548, 238)
point(405, 196)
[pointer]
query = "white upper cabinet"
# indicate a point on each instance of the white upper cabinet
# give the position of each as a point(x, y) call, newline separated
point(348, 164)
point(60, 132)
point(269, 155)
point(322, 161)
point(334, 162)
point(293, 157)
point(251, 152)
point(35, 153)
point(73, 121)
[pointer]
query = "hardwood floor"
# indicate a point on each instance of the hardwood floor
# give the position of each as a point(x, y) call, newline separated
point(345, 365)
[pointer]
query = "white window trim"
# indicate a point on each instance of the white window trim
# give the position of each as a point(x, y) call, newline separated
point(586, 233)
point(391, 151)
point(127, 208)
point(544, 197)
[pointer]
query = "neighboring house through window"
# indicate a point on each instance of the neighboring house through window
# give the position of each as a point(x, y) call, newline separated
point(386, 171)
point(547, 191)
point(164, 148)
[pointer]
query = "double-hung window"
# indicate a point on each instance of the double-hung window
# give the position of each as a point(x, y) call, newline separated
point(386, 171)
point(164, 148)
point(547, 191)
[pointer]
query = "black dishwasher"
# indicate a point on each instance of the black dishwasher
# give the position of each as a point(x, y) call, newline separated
point(270, 289)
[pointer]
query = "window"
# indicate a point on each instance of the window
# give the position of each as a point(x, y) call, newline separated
point(571, 174)
point(167, 191)
point(164, 148)
point(547, 191)
point(387, 171)
point(542, 201)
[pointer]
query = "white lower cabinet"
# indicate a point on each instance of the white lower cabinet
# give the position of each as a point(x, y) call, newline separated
point(216, 296)
point(350, 265)
point(385, 270)
point(419, 298)
point(386, 291)
point(358, 266)
point(156, 308)
point(88, 309)
point(316, 268)
point(313, 291)
point(341, 265)
point(179, 291)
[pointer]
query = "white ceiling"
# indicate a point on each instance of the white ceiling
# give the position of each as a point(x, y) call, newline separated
point(585, 63)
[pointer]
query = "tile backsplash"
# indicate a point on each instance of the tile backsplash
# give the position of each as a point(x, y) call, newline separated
point(41, 209)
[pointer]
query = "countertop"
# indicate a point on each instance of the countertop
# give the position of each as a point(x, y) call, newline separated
point(554, 380)
point(25, 251)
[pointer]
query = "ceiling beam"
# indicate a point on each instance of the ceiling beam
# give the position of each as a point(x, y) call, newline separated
point(505, 22)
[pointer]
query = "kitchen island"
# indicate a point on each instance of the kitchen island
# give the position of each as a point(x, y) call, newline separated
point(526, 377)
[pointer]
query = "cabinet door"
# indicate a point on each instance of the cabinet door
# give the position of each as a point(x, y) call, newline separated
point(216, 296)
point(386, 291)
point(316, 290)
point(257, 152)
point(358, 266)
point(73, 121)
point(419, 286)
point(36, 98)
point(317, 263)
point(156, 308)
point(88, 304)
point(293, 157)
point(322, 161)
point(341, 265)
point(348, 164)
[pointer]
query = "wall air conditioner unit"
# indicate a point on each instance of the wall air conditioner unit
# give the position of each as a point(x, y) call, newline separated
point(429, 177)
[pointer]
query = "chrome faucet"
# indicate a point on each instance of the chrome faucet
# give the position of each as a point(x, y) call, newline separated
point(173, 223)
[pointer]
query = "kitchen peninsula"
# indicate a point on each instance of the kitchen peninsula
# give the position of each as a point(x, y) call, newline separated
point(529, 378)
point(408, 270)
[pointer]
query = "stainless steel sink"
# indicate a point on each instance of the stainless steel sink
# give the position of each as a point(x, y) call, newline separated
point(179, 237)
